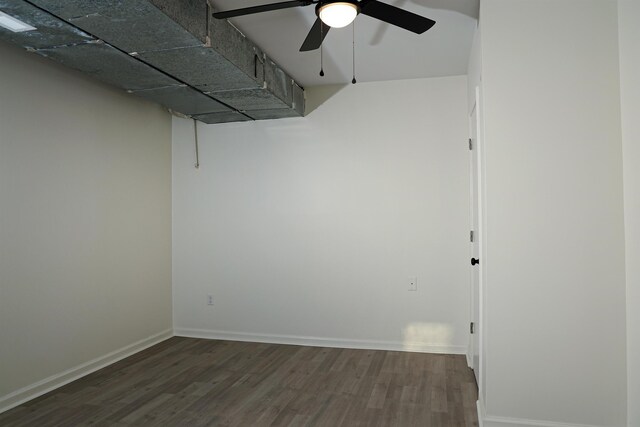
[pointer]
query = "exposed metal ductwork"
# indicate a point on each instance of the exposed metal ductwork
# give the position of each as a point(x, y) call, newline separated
point(167, 51)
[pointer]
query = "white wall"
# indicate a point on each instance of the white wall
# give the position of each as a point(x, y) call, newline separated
point(85, 238)
point(555, 288)
point(628, 18)
point(306, 230)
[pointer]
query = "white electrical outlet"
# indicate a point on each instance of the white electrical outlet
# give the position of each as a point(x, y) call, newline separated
point(209, 299)
point(413, 283)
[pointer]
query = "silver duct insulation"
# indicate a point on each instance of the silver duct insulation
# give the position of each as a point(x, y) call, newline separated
point(167, 51)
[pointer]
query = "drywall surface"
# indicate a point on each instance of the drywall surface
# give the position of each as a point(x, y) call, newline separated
point(307, 230)
point(628, 18)
point(85, 217)
point(555, 281)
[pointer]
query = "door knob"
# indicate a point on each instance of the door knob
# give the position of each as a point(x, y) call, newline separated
point(475, 261)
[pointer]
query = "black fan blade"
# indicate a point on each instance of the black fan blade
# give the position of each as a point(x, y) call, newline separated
point(396, 16)
point(263, 8)
point(315, 37)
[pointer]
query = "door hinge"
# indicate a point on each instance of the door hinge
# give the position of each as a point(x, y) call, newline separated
point(471, 236)
point(470, 144)
point(472, 328)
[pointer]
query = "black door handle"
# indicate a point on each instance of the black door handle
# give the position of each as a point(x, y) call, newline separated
point(475, 261)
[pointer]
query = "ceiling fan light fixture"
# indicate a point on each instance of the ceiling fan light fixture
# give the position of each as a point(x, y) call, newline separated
point(338, 14)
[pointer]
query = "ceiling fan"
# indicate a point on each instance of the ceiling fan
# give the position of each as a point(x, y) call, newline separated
point(338, 14)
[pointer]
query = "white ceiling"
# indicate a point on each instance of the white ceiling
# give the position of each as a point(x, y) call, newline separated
point(383, 51)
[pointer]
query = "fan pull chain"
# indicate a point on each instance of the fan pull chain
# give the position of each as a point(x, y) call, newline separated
point(321, 65)
point(353, 45)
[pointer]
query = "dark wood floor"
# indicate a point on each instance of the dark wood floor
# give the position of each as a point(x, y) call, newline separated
point(193, 382)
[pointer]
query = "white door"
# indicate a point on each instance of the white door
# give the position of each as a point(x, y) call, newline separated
point(474, 237)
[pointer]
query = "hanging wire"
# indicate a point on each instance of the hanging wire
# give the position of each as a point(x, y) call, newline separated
point(321, 62)
point(195, 134)
point(353, 46)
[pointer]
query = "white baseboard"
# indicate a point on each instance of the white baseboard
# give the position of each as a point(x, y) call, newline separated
point(491, 421)
point(39, 388)
point(481, 415)
point(485, 420)
point(416, 347)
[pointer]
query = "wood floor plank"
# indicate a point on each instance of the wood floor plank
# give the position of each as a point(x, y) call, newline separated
point(195, 382)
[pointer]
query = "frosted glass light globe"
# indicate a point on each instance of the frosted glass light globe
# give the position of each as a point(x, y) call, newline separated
point(338, 14)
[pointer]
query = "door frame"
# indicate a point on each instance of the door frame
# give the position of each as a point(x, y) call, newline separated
point(477, 183)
